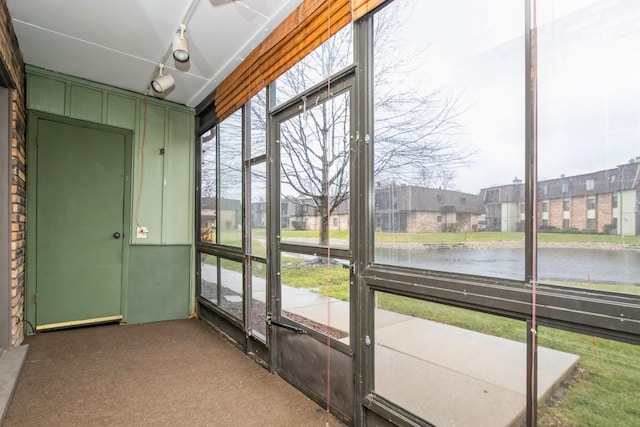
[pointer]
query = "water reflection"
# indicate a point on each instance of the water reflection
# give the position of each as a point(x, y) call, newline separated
point(554, 264)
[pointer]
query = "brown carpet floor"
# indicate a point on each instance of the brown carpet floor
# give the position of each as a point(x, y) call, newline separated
point(178, 373)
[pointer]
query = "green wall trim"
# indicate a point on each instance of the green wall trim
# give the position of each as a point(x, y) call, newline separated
point(61, 80)
point(159, 283)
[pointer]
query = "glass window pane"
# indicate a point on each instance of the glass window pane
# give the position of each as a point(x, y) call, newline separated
point(315, 293)
point(602, 388)
point(209, 277)
point(258, 300)
point(232, 293)
point(258, 126)
point(449, 136)
point(258, 213)
point(314, 180)
point(330, 57)
point(449, 366)
point(230, 206)
point(587, 138)
point(208, 186)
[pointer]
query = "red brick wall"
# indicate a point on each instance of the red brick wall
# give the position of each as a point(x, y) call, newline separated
point(11, 57)
point(579, 212)
point(555, 213)
point(604, 210)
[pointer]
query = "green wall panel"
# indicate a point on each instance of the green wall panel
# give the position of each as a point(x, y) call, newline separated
point(177, 207)
point(158, 283)
point(85, 103)
point(149, 164)
point(45, 94)
point(121, 111)
point(167, 197)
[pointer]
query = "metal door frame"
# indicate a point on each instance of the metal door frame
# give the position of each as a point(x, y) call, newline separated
point(343, 355)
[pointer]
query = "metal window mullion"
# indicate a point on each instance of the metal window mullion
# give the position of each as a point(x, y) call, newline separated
point(530, 216)
point(246, 215)
point(273, 225)
point(217, 210)
point(363, 307)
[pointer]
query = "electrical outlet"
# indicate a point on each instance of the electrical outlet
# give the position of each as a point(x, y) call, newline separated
point(141, 232)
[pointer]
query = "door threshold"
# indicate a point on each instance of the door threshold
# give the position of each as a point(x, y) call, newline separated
point(78, 323)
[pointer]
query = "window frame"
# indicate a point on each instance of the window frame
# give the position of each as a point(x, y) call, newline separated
point(605, 314)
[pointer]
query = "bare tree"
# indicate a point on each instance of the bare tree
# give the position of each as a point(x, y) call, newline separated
point(414, 130)
point(315, 158)
point(413, 135)
point(208, 164)
point(229, 146)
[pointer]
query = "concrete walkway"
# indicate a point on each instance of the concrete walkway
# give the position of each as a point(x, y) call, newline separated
point(11, 362)
point(447, 375)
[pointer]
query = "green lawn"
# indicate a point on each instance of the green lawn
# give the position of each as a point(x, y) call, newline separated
point(234, 237)
point(495, 236)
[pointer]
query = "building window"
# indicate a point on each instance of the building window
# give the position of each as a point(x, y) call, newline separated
point(566, 205)
point(590, 184)
point(614, 201)
point(565, 187)
point(336, 222)
point(591, 223)
point(545, 206)
point(545, 222)
point(565, 223)
point(439, 218)
point(591, 203)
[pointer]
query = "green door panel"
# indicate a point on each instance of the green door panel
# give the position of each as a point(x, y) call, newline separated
point(80, 196)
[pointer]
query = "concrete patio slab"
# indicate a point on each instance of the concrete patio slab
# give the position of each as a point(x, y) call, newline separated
point(450, 376)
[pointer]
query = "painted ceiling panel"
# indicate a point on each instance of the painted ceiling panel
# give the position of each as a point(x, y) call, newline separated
point(74, 57)
point(121, 42)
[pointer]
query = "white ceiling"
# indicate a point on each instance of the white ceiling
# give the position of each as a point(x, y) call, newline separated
point(121, 42)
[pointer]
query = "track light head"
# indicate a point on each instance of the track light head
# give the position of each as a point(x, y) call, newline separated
point(162, 82)
point(180, 45)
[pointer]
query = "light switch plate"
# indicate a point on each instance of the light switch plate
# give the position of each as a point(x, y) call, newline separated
point(141, 232)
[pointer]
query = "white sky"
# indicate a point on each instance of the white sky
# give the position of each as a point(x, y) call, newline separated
point(588, 90)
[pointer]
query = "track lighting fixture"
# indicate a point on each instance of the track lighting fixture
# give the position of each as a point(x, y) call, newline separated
point(162, 82)
point(180, 45)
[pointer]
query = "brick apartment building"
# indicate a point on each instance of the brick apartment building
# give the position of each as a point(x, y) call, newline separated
point(398, 208)
point(605, 201)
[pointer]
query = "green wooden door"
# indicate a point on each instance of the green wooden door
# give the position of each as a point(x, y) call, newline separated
point(80, 199)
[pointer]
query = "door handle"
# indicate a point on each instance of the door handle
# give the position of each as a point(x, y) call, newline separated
point(116, 235)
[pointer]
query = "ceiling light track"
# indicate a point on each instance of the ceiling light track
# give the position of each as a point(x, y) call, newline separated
point(179, 49)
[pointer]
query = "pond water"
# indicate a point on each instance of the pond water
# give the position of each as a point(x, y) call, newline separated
point(554, 264)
